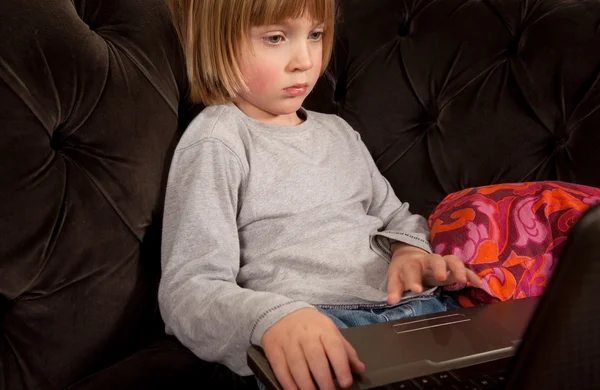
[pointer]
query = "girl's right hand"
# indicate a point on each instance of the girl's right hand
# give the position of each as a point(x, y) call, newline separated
point(305, 342)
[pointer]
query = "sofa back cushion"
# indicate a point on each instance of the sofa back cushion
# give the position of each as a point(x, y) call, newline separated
point(89, 94)
point(453, 94)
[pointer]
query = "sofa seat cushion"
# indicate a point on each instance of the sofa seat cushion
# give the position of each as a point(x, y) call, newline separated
point(161, 365)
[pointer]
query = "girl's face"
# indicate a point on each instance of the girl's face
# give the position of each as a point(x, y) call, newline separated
point(280, 64)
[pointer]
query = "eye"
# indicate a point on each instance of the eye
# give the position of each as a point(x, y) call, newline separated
point(273, 39)
point(315, 35)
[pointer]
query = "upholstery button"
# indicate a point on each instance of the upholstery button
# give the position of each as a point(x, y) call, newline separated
point(340, 91)
point(560, 142)
point(404, 29)
point(55, 142)
point(430, 123)
point(429, 117)
point(514, 47)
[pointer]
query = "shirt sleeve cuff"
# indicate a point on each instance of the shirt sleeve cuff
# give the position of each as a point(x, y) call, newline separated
point(271, 316)
point(383, 240)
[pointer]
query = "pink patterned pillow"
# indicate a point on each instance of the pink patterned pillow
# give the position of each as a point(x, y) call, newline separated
point(509, 234)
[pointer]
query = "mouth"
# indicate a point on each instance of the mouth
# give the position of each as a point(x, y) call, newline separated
point(296, 89)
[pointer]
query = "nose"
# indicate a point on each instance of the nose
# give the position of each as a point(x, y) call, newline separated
point(301, 59)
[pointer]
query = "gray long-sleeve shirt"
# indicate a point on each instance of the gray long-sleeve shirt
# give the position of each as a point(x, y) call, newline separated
point(262, 220)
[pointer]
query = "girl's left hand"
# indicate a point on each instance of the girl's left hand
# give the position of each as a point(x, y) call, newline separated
point(412, 268)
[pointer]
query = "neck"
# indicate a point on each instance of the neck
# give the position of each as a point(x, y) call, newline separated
point(291, 119)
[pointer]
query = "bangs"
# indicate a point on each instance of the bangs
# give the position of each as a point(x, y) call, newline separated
point(266, 12)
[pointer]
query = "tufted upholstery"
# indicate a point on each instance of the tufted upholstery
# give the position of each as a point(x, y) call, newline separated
point(451, 94)
point(447, 94)
point(89, 94)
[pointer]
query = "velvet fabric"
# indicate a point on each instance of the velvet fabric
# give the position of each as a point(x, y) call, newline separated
point(453, 94)
point(447, 94)
point(89, 100)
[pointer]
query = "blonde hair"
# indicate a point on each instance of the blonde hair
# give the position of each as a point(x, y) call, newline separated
point(211, 33)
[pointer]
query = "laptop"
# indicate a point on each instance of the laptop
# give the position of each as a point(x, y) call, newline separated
point(552, 342)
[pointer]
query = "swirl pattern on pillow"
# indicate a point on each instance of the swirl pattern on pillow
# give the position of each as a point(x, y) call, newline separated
point(511, 235)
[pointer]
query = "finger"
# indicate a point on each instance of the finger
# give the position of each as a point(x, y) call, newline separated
point(299, 367)
point(412, 274)
point(319, 365)
point(437, 265)
point(280, 367)
point(473, 279)
point(338, 357)
point(356, 364)
point(395, 286)
point(457, 269)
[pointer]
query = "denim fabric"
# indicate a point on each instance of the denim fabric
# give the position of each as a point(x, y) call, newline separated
point(364, 315)
point(344, 318)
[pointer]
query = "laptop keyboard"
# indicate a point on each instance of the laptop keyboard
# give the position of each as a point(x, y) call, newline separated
point(487, 376)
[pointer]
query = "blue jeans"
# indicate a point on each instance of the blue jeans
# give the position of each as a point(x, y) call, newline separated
point(365, 315)
point(360, 315)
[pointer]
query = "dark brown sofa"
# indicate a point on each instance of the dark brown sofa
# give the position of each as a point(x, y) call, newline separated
point(447, 94)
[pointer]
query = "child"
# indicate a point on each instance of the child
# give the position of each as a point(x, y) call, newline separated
point(278, 227)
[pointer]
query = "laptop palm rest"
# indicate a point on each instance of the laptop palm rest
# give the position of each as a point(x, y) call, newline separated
point(423, 324)
point(410, 348)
